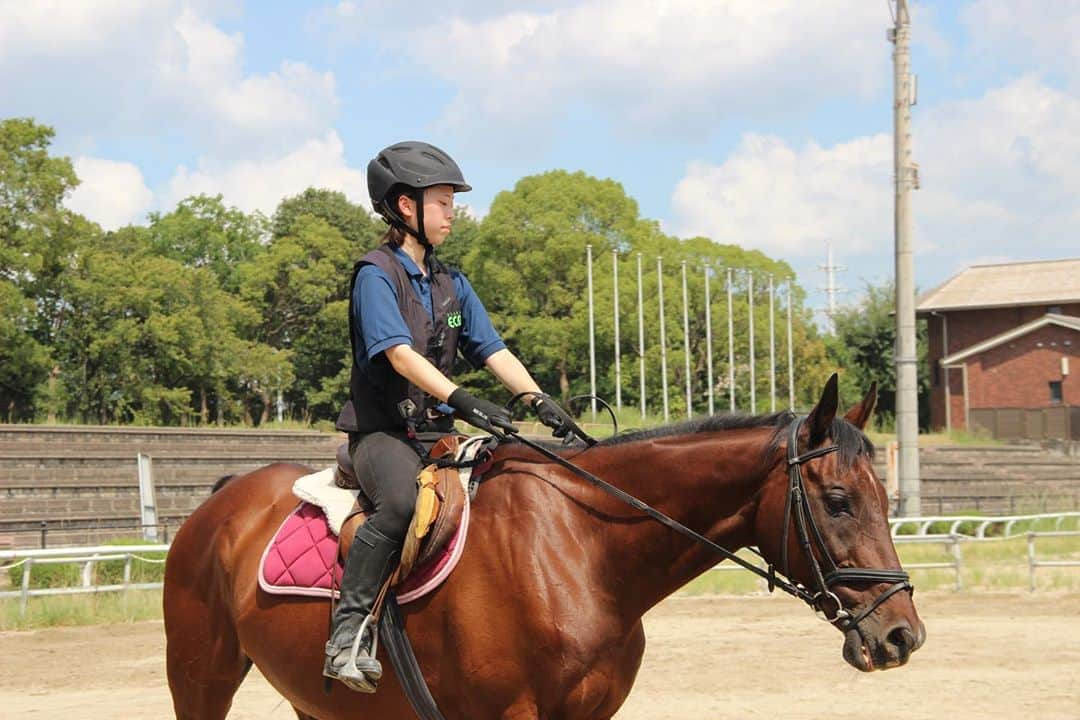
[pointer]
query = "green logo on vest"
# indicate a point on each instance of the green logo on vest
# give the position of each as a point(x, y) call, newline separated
point(453, 320)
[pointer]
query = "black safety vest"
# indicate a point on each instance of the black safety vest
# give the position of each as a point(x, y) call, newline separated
point(381, 399)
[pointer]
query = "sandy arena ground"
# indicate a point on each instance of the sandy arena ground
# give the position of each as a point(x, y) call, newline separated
point(986, 656)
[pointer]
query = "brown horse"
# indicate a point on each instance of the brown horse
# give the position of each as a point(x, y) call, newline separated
point(542, 617)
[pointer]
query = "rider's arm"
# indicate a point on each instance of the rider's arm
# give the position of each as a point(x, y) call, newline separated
point(481, 344)
point(511, 373)
point(418, 370)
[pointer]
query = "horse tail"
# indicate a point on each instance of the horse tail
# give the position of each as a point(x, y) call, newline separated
point(221, 482)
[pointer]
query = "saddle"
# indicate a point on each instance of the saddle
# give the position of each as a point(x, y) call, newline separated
point(440, 502)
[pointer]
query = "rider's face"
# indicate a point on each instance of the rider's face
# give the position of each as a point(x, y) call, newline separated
point(438, 212)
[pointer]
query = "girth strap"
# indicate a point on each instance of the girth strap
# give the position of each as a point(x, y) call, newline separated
point(398, 647)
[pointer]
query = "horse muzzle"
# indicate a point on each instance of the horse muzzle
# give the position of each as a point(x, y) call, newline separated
point(883, 649)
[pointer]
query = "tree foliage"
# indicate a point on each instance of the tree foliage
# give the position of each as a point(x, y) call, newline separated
point(863, 344)
point(208, 314)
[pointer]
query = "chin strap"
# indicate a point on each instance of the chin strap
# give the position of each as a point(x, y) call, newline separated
point(395, 220)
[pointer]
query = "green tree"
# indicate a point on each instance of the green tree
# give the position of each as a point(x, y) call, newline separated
point(24, 362)
point(37, 238)
point(299, 286)
point(863, 344)
point(203, 232)
point(527, 262)
point(147, 333)
point(356, 225)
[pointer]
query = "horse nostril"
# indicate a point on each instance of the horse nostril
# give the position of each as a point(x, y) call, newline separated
point(902, 640)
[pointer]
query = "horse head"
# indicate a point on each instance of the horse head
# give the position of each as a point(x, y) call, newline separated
point(823, 521)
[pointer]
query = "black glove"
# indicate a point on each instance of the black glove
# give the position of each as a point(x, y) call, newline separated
point(549, 413)
point(480, 413)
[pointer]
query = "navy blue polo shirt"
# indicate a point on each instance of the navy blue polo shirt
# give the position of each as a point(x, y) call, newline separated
point(380, 325)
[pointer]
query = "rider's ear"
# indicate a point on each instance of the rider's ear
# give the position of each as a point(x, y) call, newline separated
point(860, 414)
point(821, 417)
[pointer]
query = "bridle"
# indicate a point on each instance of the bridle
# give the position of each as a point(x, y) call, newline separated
point(825, 572)
point(796, 500)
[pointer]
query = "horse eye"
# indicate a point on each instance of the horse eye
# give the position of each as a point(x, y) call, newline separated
point(836, 502)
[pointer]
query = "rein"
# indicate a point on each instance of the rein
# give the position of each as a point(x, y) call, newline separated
point(797, 500)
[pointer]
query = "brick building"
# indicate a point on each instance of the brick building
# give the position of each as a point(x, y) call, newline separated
point(1004, 350)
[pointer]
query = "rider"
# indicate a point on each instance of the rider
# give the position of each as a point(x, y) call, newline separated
point(408, 318)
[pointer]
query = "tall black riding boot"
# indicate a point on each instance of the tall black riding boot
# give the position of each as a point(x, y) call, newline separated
point(350, 653)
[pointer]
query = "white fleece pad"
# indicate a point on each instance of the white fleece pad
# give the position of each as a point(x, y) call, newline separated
point(319, 489)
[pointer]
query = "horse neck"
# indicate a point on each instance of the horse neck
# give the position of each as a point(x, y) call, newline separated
point(708, 481)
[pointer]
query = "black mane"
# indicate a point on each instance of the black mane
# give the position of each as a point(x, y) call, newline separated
point(851, 441)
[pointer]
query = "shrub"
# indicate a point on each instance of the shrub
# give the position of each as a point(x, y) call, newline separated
point(111, 572)
point(47, 576)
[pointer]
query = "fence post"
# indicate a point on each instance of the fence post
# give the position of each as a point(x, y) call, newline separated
point(127, 571)
point(148, 503)
point(87, 572)
point(44, 532)
point(28, 567)
point(1031, 560)
point(957, 561)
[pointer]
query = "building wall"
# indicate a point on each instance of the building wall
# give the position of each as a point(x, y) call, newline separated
point(964, 329)
point(1018, 373)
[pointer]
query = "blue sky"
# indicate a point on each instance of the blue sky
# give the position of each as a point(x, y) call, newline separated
point(766, 124)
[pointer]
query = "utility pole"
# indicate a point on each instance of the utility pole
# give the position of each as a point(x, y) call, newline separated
point(615, 294)
point(641, 336)
point(750, 317)
point(592, 334)
point(907, 401)
point(772, 345)
point(790, 354)
point(708, 340)
point(686, 343)
point(663, 337)
point(831, 290)
point(730, 345)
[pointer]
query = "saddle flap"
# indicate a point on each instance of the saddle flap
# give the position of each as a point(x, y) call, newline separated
point(440, 502)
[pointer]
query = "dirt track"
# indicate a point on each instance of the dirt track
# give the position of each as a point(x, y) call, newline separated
point(986, 656)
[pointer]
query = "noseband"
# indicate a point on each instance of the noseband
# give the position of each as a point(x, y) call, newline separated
point(824, 571)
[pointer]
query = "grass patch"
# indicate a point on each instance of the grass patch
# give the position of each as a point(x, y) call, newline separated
point(98, 609)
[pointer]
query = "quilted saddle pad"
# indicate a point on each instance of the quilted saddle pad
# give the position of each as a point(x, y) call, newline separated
point(301, 559)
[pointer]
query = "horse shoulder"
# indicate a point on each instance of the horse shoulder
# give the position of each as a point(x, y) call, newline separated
point(537, 567)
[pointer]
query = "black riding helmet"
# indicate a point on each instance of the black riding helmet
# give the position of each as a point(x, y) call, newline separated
point(408, 168)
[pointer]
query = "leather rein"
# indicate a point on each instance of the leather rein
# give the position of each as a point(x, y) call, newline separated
point(825, 573)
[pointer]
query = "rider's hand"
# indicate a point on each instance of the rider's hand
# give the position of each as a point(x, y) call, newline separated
point(480, 413)
point(550, 414)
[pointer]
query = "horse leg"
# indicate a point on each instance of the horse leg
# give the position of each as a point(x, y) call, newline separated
point(203, 659)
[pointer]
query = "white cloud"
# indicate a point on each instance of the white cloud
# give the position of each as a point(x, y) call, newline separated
point(680, 65)
point(202, 69)
point(999, 174)
point(99, 72)
point(1044, 35)
point(784, 201)
point(111, 194)
point(262, 184)
point(59, 27)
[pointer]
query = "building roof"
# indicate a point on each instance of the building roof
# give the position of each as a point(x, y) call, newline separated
point(1047, 282)
point(1066, 321)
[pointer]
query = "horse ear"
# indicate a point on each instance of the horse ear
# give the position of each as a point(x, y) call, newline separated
point(820, 418)
point(860, 414)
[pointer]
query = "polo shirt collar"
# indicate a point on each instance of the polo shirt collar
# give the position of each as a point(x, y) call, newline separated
point(407, 262)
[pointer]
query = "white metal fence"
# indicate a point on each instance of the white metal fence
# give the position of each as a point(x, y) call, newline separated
point(976, 526)
point(85, 556)
point(961, 530)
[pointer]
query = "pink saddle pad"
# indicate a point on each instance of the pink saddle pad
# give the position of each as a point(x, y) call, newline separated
point(301, 559)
